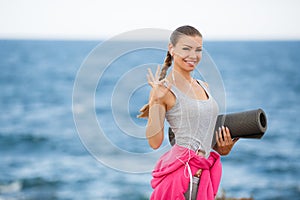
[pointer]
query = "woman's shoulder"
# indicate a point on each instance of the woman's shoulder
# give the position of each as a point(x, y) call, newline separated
point(205, 84)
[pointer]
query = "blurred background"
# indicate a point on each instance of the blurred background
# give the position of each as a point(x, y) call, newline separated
point(254, 44)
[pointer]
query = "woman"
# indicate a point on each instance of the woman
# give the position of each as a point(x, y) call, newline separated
point(191, 111)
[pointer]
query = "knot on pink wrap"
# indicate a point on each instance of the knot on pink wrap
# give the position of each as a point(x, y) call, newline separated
point(169, 177)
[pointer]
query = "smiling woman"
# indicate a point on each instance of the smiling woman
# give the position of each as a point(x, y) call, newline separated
point(187, 53)
point(191, 111)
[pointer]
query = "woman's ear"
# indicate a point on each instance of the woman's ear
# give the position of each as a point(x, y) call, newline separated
point(172, 52)
point(171, 49)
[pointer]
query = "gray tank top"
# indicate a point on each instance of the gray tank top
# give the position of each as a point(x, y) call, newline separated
point(193, 121)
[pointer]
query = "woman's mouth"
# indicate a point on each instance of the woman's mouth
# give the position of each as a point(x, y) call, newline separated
point(190, 62)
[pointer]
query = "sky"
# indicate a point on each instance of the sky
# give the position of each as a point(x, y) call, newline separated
point(96, 19)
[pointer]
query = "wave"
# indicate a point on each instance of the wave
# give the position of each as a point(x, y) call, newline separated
point(16, 141)
point(11, 187)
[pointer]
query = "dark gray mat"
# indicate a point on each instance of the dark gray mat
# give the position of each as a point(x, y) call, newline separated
point(247, 124)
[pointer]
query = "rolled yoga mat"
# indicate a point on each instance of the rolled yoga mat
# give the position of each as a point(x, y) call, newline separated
point(247, 124)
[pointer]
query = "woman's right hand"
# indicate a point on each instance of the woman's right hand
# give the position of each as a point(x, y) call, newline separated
point(159, 87)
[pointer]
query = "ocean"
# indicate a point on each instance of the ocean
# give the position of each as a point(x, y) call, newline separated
point(45, 152)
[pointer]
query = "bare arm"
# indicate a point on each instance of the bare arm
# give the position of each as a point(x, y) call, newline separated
point(157, 109)
point(155, 126)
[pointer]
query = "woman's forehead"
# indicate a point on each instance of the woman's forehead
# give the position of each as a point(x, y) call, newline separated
point(193, 41)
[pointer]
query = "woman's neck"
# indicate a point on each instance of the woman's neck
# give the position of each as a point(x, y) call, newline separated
point(183, 74)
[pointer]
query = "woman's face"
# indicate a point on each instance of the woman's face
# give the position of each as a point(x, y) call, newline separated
point(187, 52)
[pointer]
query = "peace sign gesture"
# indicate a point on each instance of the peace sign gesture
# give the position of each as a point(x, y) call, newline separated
point(159, 87)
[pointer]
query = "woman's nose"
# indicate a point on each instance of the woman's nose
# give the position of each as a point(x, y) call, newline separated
point(193, 54)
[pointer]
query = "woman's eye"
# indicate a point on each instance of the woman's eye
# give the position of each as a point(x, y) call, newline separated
point(185, 49)
point(199, 50)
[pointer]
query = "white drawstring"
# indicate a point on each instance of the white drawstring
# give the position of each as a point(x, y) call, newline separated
point(189, 175)
point(191, 180)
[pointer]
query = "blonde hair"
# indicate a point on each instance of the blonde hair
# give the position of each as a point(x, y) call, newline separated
point(183, 30)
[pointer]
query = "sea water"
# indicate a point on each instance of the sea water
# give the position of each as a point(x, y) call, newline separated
point(42, 155)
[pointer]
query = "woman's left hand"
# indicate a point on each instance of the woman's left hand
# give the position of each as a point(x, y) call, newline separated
point(224, 141)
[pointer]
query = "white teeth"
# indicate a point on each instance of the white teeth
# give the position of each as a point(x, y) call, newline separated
point(191, 62)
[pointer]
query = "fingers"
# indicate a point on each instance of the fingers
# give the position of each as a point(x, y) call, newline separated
point(224, 136)
point(156, 77)
point(154, 80)
point(151, 77)
point(227, 137)
point(219, 137)
point(157, 73)
point(224, 141)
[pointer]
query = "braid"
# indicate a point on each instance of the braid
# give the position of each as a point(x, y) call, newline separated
point(167, 63)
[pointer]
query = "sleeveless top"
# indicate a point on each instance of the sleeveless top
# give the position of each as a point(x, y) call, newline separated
point(193, 121)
